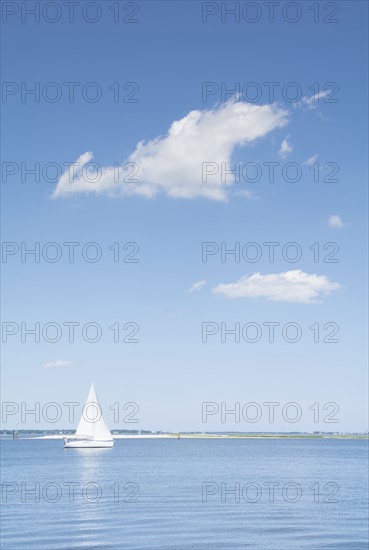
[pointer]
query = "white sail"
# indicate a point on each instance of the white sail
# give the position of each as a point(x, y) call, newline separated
point(92, 425)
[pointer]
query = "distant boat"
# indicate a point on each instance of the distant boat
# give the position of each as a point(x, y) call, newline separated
point(92, 432)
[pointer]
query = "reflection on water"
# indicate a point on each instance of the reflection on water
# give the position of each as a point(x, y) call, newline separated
point(88, 465)
point(89, 458)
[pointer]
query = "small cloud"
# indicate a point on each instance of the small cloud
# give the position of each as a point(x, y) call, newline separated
point(173, 314)
point(310, 161)
point(197, 286)
point(335, 222)
point(312, 101)
point(58, 364)
point(291, 286)
point(246, 194)
point(285, 148)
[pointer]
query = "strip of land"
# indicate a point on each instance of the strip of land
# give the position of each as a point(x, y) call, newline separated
point(215, 436)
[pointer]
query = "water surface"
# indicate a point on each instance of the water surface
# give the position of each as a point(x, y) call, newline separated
point(186, 495)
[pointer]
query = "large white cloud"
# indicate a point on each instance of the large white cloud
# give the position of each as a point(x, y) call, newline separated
point(173, 164)
point(290, 286)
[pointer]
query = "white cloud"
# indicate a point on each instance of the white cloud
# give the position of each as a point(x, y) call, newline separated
point(246, 193)
point(312, 101)
point(285, 148)
point(312, 160)
point(291, 286)
point(58, 364)
point(197, 286)
point(173, 164)
point(335, 222)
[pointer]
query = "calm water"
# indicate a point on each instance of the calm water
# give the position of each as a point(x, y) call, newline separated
point(177, 495)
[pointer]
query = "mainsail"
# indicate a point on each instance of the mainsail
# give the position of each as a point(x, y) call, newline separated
point(92, 424)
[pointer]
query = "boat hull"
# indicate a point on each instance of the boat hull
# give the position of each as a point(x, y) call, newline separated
point(88, 444)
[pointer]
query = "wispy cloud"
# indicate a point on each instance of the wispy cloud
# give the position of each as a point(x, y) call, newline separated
point(335, 222)
point(58, 364)
point(312, 160)
point(197, 286)
point(285, 148)
point(246, 194)
point(173, 164)
point(290, 286)
point(311, 102)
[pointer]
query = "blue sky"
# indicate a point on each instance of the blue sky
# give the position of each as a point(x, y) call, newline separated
point(169, 54)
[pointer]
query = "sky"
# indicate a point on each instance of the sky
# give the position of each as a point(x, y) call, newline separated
point(159, 137)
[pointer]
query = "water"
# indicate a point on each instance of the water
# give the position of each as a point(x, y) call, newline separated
point(164, 504)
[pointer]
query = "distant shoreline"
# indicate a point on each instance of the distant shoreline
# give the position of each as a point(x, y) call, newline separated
point(201, 436)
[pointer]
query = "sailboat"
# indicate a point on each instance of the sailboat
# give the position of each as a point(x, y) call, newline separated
point(92, 432)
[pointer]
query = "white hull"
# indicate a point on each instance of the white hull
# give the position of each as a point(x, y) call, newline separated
point(87, 444)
